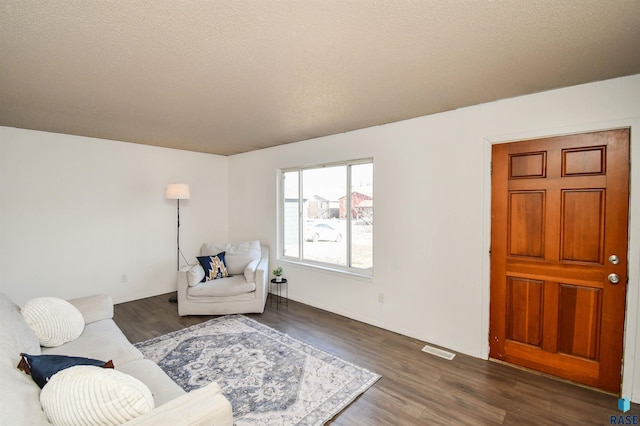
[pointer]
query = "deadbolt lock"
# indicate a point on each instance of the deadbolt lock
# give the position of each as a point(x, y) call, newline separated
point(614, 259)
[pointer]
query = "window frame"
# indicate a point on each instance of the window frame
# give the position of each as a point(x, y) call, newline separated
point(300, 260)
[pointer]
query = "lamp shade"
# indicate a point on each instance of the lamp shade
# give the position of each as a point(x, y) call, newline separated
point(177, 191)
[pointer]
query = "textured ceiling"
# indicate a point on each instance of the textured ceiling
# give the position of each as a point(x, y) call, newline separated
point(226, 77)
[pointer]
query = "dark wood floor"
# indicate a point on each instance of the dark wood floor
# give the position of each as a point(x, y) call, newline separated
point(416, 388)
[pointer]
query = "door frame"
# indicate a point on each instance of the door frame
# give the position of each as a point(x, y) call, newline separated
point(631, 342)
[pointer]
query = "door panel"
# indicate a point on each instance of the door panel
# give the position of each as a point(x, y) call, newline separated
point(578, 323)
point(559, 210)
point(527, 165)
point(582, 233)
point(526, 223)
point(583, 161)
point(524, 311)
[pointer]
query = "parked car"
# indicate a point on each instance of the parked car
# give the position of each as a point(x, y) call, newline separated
point(322, 232)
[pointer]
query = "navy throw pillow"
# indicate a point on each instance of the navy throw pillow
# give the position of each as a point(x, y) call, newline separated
point(214, 267)
point(42, 367)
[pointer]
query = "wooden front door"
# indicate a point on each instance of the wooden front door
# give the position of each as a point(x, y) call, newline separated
point(559, 211)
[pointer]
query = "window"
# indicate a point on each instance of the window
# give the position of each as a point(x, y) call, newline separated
point(327, 215)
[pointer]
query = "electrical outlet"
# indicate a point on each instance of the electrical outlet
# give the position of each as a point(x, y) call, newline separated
point(124, 278)
point(380, 297)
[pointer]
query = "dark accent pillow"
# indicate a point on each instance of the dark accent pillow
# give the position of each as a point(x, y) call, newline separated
point(214, 267)
point(42, 367)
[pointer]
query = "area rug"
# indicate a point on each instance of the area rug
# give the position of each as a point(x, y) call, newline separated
point(270, 378)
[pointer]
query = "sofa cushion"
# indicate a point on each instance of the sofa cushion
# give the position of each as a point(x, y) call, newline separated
point(42, 367)
point(15, 337)
point(54, 321)
point(214, 266)
point(19, 398)
point(231, 286)
point(7, 304)
point(90, 395)
point(195, 275)
point(237, 255)
point(100, 340)
point(19, 403)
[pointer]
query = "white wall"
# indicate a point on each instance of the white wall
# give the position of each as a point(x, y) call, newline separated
point(77, 213)
point(432, 211)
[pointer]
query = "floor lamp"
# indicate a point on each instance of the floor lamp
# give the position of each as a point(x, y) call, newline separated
point(178, 191)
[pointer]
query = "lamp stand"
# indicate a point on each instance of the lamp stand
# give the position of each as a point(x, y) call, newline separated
point(174, 299)
point(179, 251)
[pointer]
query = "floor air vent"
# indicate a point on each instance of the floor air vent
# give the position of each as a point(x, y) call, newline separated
point(438, 352)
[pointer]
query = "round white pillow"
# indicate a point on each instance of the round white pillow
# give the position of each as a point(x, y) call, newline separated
point(54, 321)
point(84, 395)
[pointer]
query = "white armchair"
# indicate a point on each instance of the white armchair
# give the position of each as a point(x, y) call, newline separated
point(244, 292)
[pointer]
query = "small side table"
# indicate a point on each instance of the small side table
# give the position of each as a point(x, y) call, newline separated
point(278, 293)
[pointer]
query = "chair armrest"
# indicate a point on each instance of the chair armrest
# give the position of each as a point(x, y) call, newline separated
point(94, 308)
point(182, 287)
point(206, 406)
point(262, 274)
point(183, 282)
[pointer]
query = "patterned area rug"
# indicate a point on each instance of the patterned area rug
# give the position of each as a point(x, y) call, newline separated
point(270, 378)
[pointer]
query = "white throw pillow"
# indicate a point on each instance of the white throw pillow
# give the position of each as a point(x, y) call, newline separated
point(195, 274)
point(93, 395)
point(237, 255)
point(54, 321)
point(250, 270)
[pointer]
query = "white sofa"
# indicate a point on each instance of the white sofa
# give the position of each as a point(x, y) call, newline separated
point(245, 291)
point(101, 339)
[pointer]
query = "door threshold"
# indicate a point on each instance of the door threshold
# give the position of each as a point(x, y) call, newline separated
point(556, 378)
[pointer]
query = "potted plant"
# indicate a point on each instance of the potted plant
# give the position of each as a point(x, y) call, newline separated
point(278, 273)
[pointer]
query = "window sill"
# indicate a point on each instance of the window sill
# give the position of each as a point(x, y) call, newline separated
point(329, 270)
